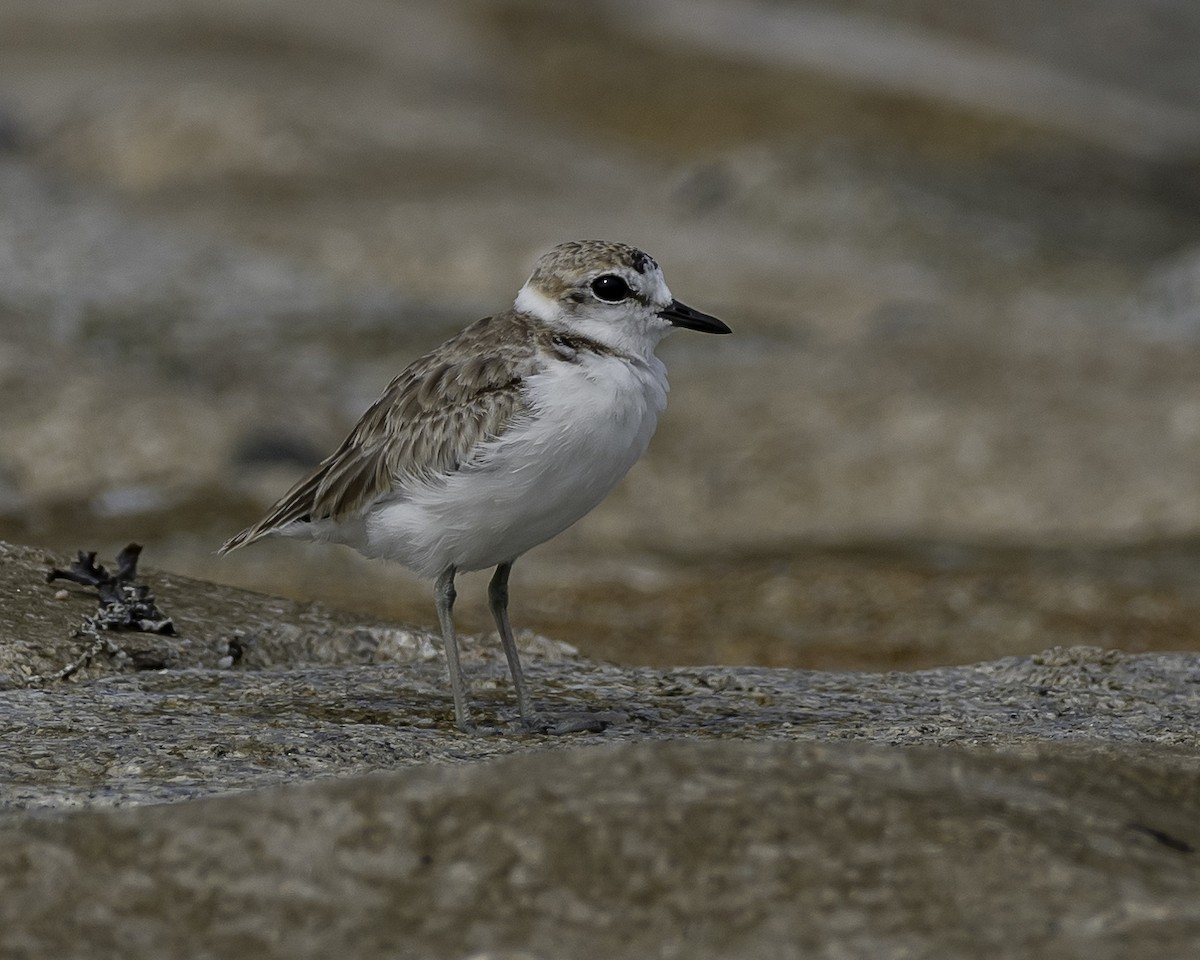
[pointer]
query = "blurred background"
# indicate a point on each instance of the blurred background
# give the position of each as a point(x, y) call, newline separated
point(958, 242)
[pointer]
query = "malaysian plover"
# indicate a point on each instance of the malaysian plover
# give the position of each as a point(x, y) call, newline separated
point(503, 436)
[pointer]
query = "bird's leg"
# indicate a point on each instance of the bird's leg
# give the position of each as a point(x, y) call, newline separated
point(444, 594)
point(498, 602)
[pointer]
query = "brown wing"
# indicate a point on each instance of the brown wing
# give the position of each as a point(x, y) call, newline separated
point(428, 422)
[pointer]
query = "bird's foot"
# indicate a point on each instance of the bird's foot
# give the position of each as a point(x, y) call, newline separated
point(554, 725)
point(566, 723)
point(473, 729)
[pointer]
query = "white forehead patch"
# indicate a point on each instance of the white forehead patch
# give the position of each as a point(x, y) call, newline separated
point(656, 287)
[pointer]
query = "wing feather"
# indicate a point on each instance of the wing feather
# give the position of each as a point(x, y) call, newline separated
point(429, 422)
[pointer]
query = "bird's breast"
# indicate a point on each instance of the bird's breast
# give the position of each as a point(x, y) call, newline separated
point(585, 425)
point(598, 407)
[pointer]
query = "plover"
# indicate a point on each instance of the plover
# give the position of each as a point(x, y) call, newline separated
point(503, 436)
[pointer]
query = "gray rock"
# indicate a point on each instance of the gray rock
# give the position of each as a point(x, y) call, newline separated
point(684, 849)
point(1041, 805)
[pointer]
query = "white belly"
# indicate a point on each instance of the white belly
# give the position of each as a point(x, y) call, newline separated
point(589, 422)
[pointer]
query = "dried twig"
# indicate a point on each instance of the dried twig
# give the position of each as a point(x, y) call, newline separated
point(124, 605)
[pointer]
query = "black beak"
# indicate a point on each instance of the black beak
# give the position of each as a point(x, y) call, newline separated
point(681, 315)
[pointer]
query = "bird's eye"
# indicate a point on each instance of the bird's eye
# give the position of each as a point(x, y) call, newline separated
point(610, 288)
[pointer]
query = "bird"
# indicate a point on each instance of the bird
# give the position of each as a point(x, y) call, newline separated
point(502, 437)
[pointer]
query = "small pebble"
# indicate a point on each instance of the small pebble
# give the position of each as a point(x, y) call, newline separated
point(62, 594)
point(225, 663)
